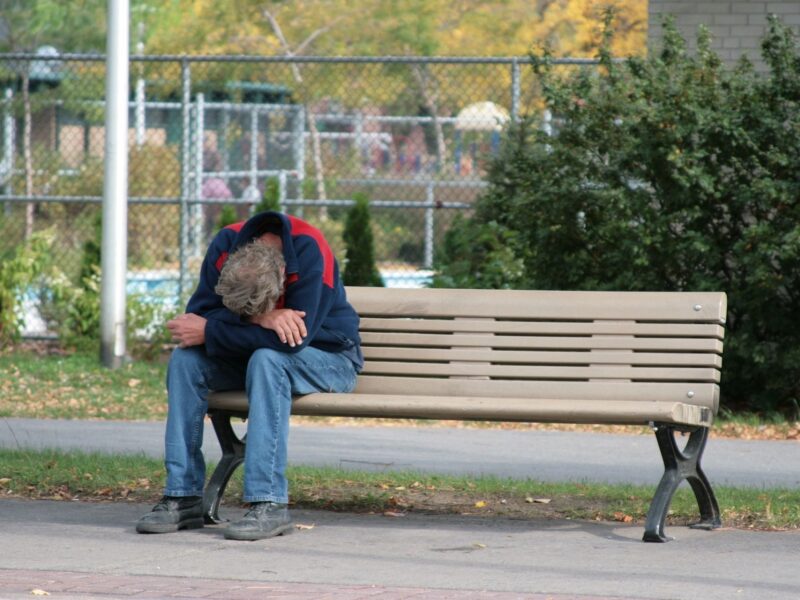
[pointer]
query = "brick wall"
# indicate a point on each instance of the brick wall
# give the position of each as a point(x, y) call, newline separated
point(736, 25)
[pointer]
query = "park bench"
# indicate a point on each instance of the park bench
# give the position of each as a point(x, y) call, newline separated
point(649, 358)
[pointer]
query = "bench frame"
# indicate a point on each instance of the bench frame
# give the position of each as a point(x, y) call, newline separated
point(680, 463)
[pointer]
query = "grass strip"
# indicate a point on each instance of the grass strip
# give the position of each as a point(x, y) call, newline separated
point(77, 386)
point(58, 475)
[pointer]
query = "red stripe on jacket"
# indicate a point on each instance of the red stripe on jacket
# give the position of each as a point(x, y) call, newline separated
point(300, 227)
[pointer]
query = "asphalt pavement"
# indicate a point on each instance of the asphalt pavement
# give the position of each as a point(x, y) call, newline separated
point(90, 550)
point(544, 455)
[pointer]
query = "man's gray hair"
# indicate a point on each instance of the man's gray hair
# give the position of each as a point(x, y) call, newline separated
point(252, 279)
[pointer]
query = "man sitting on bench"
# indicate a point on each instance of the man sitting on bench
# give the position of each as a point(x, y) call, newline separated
point(269, 316)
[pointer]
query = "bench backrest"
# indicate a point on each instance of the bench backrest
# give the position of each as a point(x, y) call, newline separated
point(604, 346)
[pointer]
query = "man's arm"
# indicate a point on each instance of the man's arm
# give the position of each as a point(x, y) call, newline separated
point(189, 329)
point(287, 323)
point(226, 334)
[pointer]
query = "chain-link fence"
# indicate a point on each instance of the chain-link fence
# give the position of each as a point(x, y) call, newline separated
point(305, 134)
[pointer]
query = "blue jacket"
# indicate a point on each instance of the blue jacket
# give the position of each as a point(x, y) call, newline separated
point(312, 285)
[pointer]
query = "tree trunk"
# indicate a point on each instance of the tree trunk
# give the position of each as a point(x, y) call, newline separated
point(431, 105)
point(319, 170)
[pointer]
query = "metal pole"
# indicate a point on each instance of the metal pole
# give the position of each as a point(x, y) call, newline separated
point(186, 170)
point(223, 139)
point(300, 154)
point(431, 203)
point(141, 126)
point(9, 137)
point(547, 122)
point(282, 191)
point(253, 149)
point(197, 209)
point(114, 257)
point(515, 90)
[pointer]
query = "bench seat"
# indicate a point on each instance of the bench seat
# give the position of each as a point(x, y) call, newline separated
point(477, 408)
point(650, 358)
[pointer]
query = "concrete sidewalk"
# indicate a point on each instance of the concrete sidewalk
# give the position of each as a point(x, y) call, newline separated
point(85, 550)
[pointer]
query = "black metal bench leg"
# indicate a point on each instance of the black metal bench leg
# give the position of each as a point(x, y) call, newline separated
point(232, 456)
point(679, 465)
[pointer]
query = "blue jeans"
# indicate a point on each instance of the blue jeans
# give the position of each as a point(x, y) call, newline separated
point(270, 379)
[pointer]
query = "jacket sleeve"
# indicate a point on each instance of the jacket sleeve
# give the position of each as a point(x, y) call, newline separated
point(227, 335)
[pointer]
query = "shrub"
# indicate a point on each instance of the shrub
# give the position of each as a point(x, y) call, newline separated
point(18, 273)
point(73, 311)
point(227, 216)
point(360, 266)
point(270, 200)
point(666, 173)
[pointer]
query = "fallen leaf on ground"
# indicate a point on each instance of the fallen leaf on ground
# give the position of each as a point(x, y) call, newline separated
point(38, 592)
point(622, 517)
point(480, 504)
point(393, 513)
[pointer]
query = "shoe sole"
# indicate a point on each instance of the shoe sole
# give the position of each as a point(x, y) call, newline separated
point(169, 527)
point(251, 536)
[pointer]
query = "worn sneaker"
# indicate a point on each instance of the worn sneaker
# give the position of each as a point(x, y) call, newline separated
point(263, 520)
point(171, 514)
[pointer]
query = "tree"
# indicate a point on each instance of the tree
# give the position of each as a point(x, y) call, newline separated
point(270, 200)
point(360, 266)
point(302, 47)
point(74, 26)
point(667, 173)
point(28, 24)
point(227, 216)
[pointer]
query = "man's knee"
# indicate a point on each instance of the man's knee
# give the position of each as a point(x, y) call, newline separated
point(183, 362)
point(266, 359)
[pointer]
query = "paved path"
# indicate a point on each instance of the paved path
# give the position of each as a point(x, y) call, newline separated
point(537, 454)
point(85, 550)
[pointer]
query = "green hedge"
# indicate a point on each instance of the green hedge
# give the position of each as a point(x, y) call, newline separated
point(670, 172)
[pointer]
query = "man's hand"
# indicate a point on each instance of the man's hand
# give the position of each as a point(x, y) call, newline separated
point(188, 329)
point(287, 323)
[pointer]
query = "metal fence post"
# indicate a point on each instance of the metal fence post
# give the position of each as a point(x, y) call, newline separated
point(282, 191)
point(430, 202)
point(9, 135)
point(515, 90)
point(254, 152)
point(298, 132)
point(140, 112)
point(186, 152)
point(197, 209)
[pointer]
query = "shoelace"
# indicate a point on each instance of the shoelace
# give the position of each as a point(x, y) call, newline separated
point(258, 509)
point(163, 504)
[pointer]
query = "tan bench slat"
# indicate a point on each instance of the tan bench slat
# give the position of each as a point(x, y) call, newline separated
point(703, 394)
point(541, 372)
point(542, 305)
point(543, 342)
point(470, 407)
point(709, 330)
point(543, 357)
